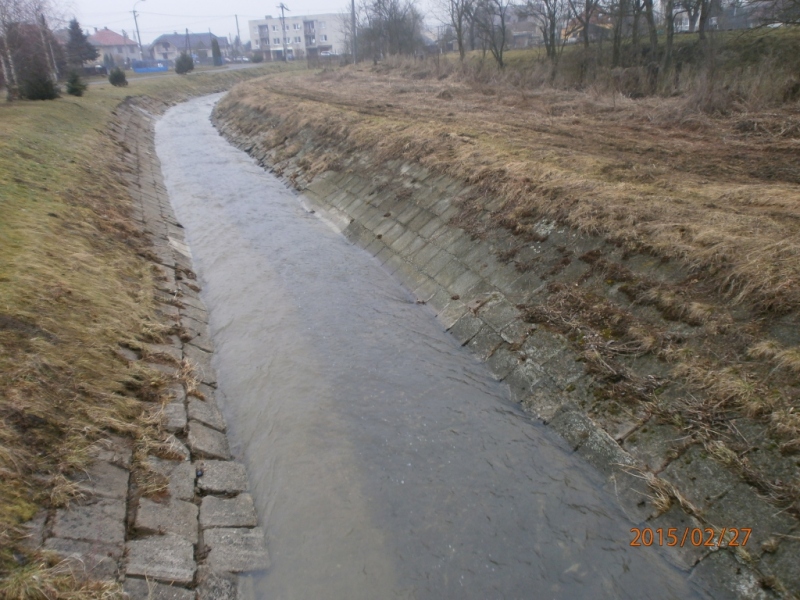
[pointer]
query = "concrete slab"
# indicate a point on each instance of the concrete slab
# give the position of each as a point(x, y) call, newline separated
point(201, 361)
point(181, 475)
point(221, 477)
point(168, 559)
point(142, 589)
point(94, 559)
point(175, 516)
point(205, 442)
point(104, 480)
point(236, 550)
point(700, 478)
point(206, 413)
point(228, 512)
point(102, 521)
point(174, 417)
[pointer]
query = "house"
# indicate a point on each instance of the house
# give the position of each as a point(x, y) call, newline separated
point(170, 46)
point(119, 47)
point(302, 36)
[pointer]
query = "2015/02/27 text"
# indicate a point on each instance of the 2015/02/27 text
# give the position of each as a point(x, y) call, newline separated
point(695, 536)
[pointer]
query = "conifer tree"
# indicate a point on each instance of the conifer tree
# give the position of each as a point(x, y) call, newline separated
point(79, 50)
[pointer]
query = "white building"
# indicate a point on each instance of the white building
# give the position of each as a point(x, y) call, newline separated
point(302, 36)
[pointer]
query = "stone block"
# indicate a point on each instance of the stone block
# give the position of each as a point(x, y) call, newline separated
point(143, 589)
point(175, 516)
point(573, 426)
point(499, 314)
point(180, 474)
point(205, 442)
point(199, 315)
point(176, 448)
point(700, 478)
point(236, 550)
point(722, 575)
point(102, 479)
point(217, 586)
point(221, 476)
point(654, 444)
point(466, 328)
point(87, 559)
point(603, 452)
point(484, 343)
point(201, 361)
point(102, 521)
point(784, 564)
point(206, 413)
point(677, 518)
point(502, 362)
point(174, 393)
point(741, 506)
point(169, 371)
point(228, 512)
point(167, 558)
point(174, 417)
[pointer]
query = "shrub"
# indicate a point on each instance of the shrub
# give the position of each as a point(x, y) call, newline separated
point(117, 77)
point(258, 57)
point(184, 64)
point(75, 86)
point(38, 88)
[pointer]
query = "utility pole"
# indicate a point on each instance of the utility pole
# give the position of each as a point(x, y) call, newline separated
point(236, 45)
point(353, 26)
point(138, 37)
point(283, 7)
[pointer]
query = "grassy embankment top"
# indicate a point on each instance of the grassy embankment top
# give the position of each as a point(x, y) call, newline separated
point(73, 285)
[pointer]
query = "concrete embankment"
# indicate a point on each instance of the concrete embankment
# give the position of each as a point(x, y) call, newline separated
point(413, 221)
point(194, 538)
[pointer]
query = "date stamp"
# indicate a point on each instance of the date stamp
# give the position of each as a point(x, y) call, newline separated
point(691, 536)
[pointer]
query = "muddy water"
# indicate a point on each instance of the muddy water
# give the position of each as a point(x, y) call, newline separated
point(384, 460)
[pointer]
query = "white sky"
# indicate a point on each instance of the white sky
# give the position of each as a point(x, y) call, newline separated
point(167, 16)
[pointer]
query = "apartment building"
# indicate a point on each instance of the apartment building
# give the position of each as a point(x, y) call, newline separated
point(302, 36)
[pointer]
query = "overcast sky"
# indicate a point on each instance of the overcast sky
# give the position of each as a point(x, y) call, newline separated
point(167, 16)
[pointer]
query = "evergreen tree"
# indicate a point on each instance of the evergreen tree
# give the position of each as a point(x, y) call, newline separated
point(75, 85)
point(79, 50)
point(184, 64)
point(117, 77)
point(216, 53)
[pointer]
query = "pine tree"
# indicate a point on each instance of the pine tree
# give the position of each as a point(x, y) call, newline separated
point(79, 50)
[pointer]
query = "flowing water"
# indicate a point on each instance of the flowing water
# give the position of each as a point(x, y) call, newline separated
point(384, 459)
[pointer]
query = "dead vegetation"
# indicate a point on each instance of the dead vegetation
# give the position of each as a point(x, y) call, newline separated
point(683, 310)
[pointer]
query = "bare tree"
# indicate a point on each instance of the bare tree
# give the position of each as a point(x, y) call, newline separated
point(491, 17)
point(389, 27)
point(548, 15)
point(460, 12)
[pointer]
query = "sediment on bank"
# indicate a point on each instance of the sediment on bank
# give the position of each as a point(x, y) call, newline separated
point(642, 360)
point(97, 371)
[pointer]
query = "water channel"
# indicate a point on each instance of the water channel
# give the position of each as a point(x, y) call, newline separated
point(384, 459)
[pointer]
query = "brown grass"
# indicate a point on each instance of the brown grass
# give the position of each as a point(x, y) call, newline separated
point(721, 201)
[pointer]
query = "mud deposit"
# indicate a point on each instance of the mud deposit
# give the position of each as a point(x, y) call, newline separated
point(385, 460)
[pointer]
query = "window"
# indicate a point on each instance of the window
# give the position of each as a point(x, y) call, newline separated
point(276, 41)
point(119, 49)
point(274, 28)
point(297, 25)
point(322, 24)
point(323, 37)
point(287, 40)
point(296, 40)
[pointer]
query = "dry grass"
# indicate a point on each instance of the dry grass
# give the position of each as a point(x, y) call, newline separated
point(721, 201)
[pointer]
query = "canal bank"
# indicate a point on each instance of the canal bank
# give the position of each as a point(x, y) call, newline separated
point(512, 303)
point(385, 460)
